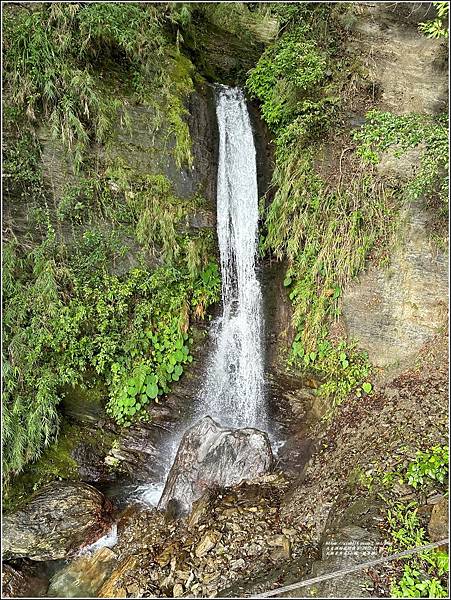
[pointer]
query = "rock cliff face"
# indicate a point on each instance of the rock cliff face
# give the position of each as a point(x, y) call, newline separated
point(407, 70)
point(148, 150)
point(393, 311)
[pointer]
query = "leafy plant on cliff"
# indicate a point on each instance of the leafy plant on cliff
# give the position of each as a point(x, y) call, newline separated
point(109, 278)
point(286, 75)
point(147, 208)
point(385, 131)
point(438, 27)
point(22, 169)
point(346, 369)
point(325, 234)
point(66, 314)
point(53, 65)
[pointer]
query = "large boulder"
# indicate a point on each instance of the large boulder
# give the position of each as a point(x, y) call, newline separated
point(57, 521)
point(212, 456)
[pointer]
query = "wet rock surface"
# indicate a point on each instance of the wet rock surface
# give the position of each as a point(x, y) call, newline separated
point(212, 456)
point(224, 52)
point(149, 150)
point(141, 452)
point(91, 464)
point(84, 576)
point(23, 581)
point(58, 520)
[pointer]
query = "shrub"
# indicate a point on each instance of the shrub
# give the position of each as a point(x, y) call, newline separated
point(65, 316)
point(386, 131)
point(53, 68)
point(429, 466)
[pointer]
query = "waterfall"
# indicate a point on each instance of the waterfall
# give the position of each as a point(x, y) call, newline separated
point(233, 389)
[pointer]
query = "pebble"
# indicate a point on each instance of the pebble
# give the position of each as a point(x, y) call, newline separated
point(208, 541)
point(177, 590)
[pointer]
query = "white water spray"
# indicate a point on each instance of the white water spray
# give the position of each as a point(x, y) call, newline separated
point(233, 390)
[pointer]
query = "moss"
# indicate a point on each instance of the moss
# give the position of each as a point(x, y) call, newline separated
point(180, 86)
point(85, 404)
point(225, 40)
point(55, 463)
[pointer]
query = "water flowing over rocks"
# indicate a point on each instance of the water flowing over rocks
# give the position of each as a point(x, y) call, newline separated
point(212, 456)
point(57, 521)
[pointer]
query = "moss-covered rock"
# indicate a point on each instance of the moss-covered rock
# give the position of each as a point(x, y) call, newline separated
point(84, 405)
point(227, 39)
point(78, 454)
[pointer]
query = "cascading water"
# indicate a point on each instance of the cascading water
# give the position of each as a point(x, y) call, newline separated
point(233, 390)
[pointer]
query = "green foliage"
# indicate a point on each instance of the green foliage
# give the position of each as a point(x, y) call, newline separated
point(325, 235)
point(399, 133)
point(423, 574)
point(343, 368)
point(429, 466)
point(53, 68)
point(65, 315)
point(158, 348)
point(405, 527)
point(286, 76)
point(22, 169)
point(147, 207)
point(157, 214)
point(438, 27)
point(413, 585)
point(428, 469)
point(110, 278)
